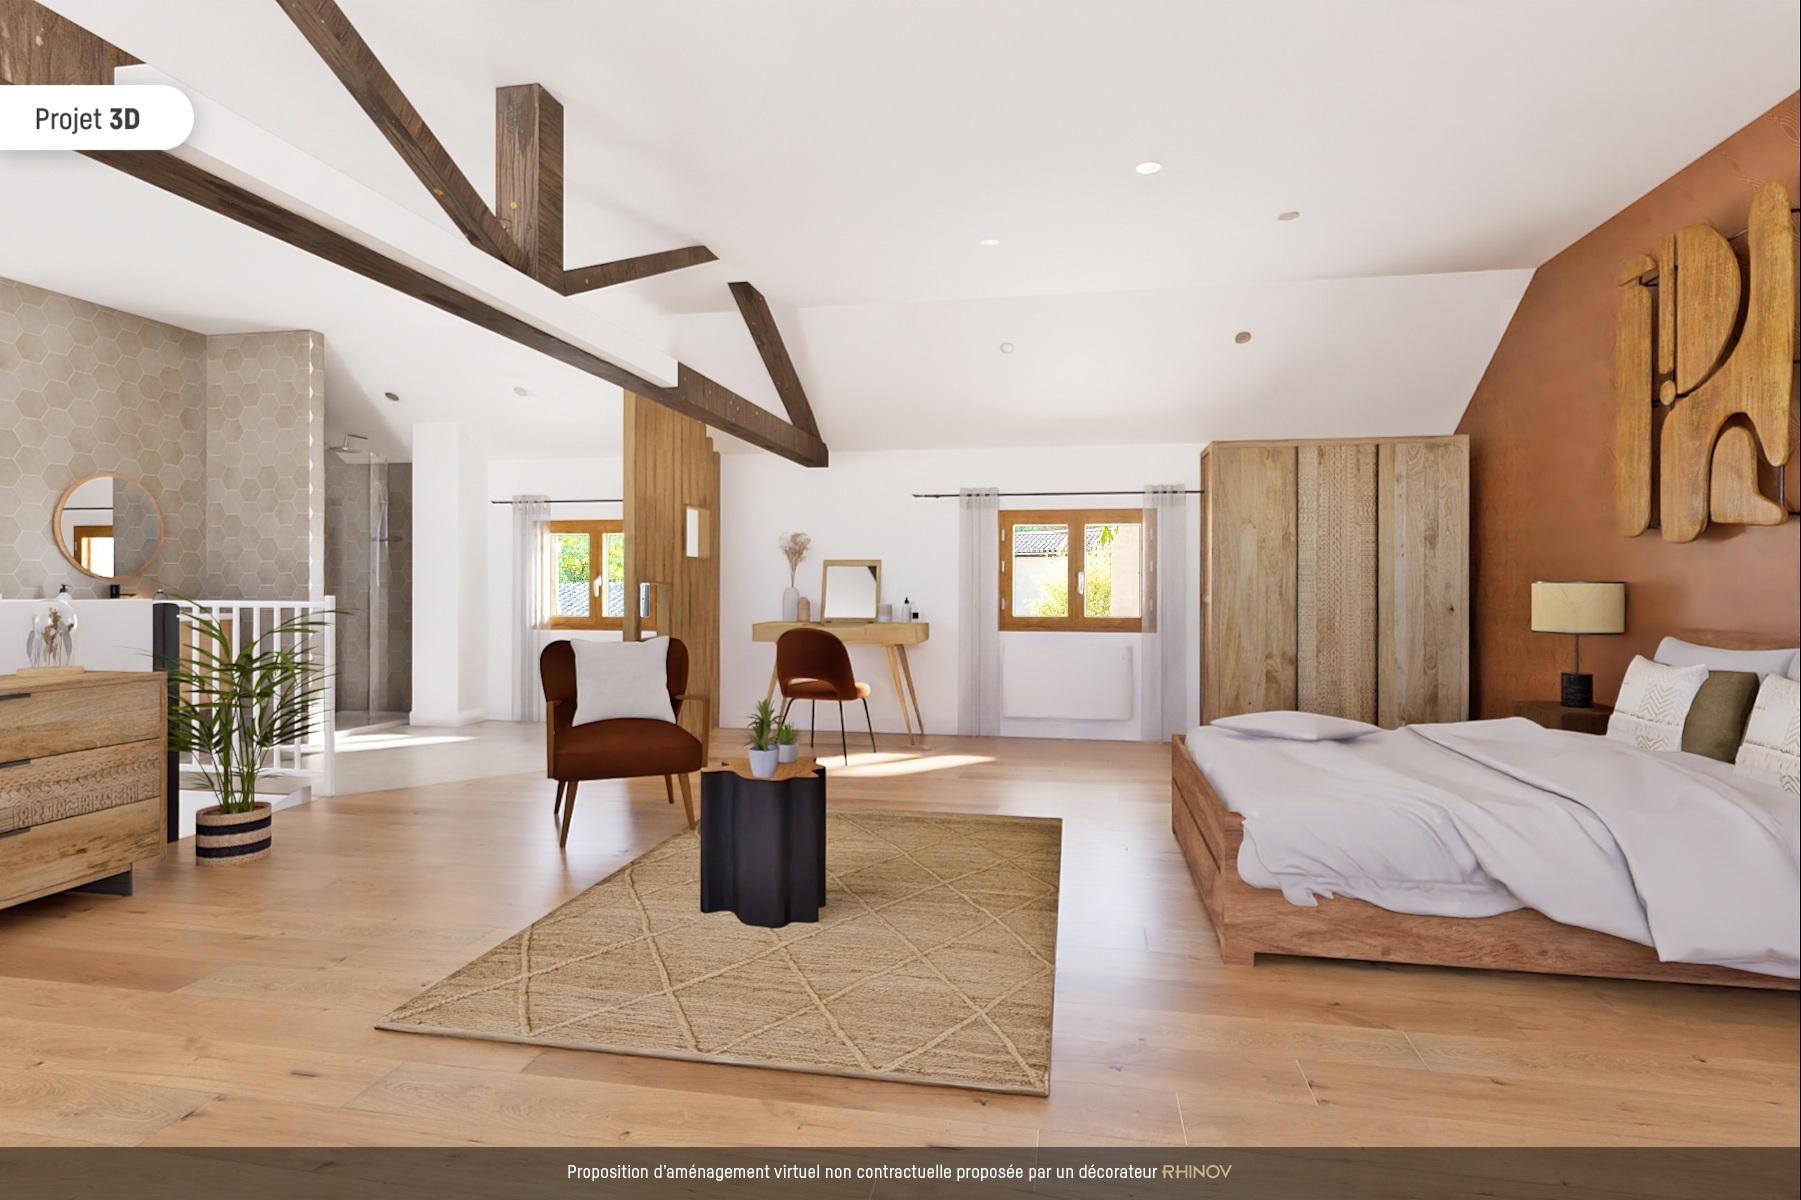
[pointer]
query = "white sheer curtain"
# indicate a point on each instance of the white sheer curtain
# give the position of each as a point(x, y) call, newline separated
point(978, 609)
point(1163, 646)
point(529, 515)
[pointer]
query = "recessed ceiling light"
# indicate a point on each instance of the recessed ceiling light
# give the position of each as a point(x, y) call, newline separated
point(519, 391)
point(1242, 336)
point(1006, 347)
point(392, 396)
point(989, 242)
point(1288, 216)
point(1149, 168)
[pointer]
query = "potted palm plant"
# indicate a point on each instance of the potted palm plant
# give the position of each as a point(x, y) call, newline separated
point(230, 710)
point(762, 740)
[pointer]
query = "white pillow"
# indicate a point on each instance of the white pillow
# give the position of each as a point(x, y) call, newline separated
point(622, 679)
point(1653, 703)
point(1771, 751)
point(1678, 653)
point(1296, 726)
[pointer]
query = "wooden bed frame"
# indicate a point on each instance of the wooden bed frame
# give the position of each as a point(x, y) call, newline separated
point(1252, 921)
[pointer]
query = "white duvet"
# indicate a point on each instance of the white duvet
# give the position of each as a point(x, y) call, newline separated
point(1475, 818)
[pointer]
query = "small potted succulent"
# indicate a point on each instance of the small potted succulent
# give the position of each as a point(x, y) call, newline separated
point(762, 727)
point(787, 743)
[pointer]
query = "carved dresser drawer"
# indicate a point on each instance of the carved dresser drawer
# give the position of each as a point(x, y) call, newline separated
point(83, 780)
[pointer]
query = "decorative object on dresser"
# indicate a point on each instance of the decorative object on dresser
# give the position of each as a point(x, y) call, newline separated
point(230, 710)
point(794, 548)
point(1335, 578)
point(1578, 607)
point(50, 646)
point(1728, 401)
point(1554, 714)
point(762, 841)
point(83, 781)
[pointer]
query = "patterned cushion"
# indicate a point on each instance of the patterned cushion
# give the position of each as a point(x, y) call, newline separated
point(1771, 751)
point(1653, 704)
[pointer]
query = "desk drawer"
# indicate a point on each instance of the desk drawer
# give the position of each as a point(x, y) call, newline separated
point(40, 724)
point(41, 791)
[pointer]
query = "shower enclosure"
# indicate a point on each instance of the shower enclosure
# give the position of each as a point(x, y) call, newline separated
point(368, 568)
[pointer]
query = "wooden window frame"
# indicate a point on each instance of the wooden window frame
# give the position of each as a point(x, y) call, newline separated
point(1075, 519)
point(596, 530)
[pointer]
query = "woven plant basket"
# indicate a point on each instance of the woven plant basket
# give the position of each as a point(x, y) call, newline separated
point(224, 839)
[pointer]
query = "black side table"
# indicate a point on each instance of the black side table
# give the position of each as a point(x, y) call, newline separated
point(1553, 715)
point(762, 842)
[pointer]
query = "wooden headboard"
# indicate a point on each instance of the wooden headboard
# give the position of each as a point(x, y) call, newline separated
point(1732, 639)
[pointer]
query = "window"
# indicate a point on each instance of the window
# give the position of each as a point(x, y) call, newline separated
point(1077, 569)
point(584, 564)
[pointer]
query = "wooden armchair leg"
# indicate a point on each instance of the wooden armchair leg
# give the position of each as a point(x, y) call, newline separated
point(688, 799)
point(669, 787)
point(568, 812)
point(557, 805)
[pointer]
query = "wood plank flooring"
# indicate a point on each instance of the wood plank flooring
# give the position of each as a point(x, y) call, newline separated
point(235, 1006)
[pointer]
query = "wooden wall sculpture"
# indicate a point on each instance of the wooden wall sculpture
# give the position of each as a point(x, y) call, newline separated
point(670, 467)
point(1696, 413)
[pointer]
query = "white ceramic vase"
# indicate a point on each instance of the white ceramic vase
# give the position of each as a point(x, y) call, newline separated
point(762, 763)
point(787, 752)
point(791, 604)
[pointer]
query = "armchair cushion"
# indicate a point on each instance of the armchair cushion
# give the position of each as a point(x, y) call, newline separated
point(625, 748)
point(622, 680)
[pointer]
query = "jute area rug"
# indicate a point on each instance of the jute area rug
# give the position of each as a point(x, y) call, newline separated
point(932, 962)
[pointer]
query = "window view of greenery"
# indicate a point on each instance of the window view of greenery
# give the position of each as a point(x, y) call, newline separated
point(612, 575)
point(1041, 570)
point(1111, 591)
point(570, 556)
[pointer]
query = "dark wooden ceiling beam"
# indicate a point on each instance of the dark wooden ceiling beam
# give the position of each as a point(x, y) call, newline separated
point(528, 176)
point(38, 45)
point(342, 48)
point(763, 331)
point(604, 275)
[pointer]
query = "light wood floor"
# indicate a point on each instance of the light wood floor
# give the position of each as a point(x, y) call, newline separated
point(235, 1006)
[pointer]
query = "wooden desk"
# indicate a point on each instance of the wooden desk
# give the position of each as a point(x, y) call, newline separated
point(892, 636)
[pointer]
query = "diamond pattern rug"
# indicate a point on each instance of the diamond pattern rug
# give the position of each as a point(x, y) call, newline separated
point(933, 962)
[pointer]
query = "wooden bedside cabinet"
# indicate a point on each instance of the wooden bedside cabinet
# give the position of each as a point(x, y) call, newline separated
point(1553, 715)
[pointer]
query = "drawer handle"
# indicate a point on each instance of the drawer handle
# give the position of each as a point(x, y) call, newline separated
point(17, 762)
point(18, 831)
point(15, 696)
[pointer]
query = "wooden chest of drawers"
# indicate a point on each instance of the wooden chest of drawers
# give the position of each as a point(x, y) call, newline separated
point(83, 778)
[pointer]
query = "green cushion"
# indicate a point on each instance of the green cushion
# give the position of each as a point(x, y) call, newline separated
point(1716, 720)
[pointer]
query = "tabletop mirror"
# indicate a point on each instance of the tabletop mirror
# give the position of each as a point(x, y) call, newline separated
point(109, 526)
point(850, 589)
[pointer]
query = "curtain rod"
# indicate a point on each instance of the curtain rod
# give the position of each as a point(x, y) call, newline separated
point(1123, 492)
point(563, 501)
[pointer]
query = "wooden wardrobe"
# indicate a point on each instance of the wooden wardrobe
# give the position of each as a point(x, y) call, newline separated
point(1335, 578)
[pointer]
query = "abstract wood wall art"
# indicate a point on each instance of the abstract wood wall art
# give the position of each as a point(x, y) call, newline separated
point(1704, 379)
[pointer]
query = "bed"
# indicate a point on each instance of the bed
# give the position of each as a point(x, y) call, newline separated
point(1252, 920)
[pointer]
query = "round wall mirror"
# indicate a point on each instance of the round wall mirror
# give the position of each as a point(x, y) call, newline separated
point(109, 526)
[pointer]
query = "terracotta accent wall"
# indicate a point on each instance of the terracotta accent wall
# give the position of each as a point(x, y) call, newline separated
point(1541, 431)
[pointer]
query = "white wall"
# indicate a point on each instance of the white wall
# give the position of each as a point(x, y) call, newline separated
point(862, 507)
point(560, 479)
point(450, 577)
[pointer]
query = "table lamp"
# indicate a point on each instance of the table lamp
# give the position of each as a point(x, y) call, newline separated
point(1578, 607)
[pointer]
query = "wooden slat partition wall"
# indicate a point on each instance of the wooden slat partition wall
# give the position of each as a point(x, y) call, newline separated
point(1335, 621)
point(1422, 493)
point(1250, 527)
point(670, 465)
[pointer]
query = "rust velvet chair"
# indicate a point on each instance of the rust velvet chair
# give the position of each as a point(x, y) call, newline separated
point(627, 748)
point(812, 664)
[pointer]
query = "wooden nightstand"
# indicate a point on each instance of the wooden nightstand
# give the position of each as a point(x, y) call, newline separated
point(1553, 715)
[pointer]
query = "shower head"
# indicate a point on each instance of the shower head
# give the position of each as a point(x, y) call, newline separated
point(348, 452)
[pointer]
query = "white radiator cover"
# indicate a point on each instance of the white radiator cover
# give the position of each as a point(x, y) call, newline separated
point(1067, 680)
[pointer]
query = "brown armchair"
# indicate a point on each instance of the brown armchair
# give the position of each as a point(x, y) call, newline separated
point(628, 748)
point(811, 664)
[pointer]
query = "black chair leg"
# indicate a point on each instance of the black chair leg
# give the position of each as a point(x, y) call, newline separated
point(869, 723)
point(812, 723)
point(843, 742)
point(783, 719)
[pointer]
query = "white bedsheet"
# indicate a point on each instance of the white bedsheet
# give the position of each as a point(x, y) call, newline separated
point(1481, 817)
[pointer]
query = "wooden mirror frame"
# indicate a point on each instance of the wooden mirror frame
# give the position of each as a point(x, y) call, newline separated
point(68, 552)
point(825, 571)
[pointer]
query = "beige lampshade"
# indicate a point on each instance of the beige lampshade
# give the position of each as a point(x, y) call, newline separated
point(1579, 607)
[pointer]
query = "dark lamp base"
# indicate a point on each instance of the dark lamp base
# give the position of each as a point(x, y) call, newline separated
point(1578, 691)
